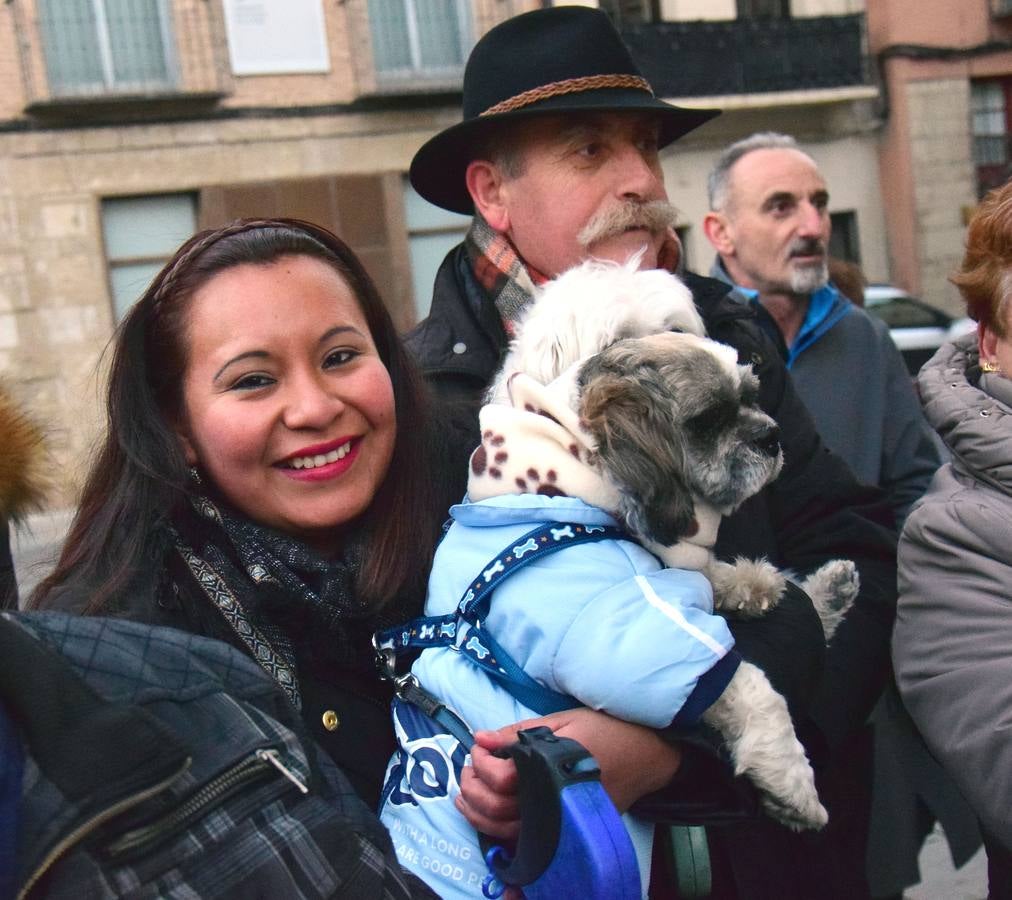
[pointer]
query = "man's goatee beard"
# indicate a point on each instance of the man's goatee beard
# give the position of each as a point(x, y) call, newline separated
point(808, 279)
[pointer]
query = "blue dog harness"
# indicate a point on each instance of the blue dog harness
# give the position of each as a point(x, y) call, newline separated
point(465, 632)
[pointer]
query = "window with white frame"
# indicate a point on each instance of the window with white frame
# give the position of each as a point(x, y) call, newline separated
point(432, 233)
point(989, 145)
point(419, 38)
point(141, 234)
point(100, 46)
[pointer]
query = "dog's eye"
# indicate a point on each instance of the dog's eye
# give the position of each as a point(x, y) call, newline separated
point(713, 418)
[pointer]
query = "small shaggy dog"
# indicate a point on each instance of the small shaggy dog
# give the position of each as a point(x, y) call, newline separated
point(597, 419)
point(591, 307)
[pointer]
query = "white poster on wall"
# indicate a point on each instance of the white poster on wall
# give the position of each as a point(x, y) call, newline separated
point(276, 37)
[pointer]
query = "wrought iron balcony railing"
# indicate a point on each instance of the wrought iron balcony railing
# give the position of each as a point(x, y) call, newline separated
point(748, 56)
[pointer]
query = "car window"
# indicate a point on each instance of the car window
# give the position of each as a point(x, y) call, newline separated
point(906, 312)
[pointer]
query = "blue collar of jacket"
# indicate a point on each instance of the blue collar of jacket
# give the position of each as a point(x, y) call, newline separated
point(825, 308)
point(510, 509)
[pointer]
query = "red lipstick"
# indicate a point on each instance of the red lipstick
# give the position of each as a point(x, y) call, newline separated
point(328, 469)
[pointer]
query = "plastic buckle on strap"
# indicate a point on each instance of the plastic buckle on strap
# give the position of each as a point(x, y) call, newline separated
point(386, 661)
point(405, 686)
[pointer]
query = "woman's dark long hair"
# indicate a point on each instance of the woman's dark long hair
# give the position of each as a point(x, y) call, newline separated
point(140, 480)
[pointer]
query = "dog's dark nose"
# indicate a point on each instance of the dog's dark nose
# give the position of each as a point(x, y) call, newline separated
point(769, 441)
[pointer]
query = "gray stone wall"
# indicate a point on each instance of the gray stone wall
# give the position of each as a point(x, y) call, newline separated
point(943, 176)
point(56, 314)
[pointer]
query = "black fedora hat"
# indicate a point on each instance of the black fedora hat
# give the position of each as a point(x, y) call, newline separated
point(550, 61)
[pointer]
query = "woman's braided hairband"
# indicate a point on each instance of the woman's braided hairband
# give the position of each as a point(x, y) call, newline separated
point(198, 247)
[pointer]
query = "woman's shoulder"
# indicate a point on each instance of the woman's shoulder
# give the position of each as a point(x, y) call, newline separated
point(959, 513)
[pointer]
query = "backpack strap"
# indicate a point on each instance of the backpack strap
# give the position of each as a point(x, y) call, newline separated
point(67, 725)
point(464, 629)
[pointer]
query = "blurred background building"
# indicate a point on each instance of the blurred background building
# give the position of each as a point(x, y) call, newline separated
point(127, 124)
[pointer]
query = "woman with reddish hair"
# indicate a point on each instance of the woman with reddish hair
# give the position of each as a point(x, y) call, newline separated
point(952, 646)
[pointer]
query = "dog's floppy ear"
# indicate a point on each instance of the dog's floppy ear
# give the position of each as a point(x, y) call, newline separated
point(555, 401)
point(547, 339)
point(640, 449)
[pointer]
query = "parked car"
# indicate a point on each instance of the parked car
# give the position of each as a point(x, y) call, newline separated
point(917, 328)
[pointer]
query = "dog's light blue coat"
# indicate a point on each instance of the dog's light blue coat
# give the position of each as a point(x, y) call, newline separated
point(601, 622)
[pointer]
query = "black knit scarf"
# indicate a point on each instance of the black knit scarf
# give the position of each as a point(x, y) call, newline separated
point(291, 608)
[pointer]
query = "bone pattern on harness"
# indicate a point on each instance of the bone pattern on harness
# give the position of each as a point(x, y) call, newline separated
point(477, 648)
point(463, 630)
point(526, 547)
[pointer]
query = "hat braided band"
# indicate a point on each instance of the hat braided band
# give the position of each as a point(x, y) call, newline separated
point(569, 86)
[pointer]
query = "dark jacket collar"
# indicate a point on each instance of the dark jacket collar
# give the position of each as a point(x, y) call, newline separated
point(462, 334)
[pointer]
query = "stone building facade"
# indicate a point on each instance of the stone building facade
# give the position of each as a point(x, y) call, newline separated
point(165, 153)
point(119, 138)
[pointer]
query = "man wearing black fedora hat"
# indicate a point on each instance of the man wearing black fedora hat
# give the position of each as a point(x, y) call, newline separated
point(558, 159)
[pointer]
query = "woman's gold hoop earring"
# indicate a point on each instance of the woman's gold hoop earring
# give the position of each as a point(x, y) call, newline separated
point(989, 366)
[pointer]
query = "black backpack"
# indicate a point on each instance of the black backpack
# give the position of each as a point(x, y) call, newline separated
point(155, 763)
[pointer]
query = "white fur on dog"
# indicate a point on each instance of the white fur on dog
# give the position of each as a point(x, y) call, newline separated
point(589, 307)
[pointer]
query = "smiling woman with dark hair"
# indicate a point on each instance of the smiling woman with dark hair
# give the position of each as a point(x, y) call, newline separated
point(267, 474)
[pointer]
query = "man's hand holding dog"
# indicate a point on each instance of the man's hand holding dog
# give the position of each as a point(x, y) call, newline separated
point(488, 786)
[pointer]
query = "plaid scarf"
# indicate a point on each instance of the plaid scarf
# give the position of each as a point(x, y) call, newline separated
point(505, 277)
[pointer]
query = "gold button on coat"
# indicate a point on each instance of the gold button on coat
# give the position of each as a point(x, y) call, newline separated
point(330, 720)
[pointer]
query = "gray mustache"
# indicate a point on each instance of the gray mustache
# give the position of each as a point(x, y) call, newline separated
point(655, 216)
point(807, 247)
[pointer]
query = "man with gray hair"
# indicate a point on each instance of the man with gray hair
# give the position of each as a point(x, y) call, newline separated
point(769, 222)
